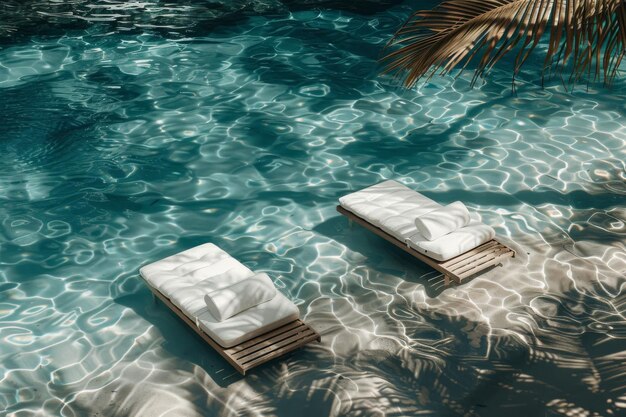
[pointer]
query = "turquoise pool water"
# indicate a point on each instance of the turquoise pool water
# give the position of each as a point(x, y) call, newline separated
point(132, 131)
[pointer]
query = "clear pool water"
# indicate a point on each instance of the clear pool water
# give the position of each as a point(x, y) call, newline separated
point(133, 130)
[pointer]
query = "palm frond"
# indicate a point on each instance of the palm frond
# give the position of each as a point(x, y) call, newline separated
point(588, 36)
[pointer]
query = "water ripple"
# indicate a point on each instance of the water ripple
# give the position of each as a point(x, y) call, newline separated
point(123, 149)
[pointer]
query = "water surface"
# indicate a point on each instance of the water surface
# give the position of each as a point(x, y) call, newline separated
point(134, 130)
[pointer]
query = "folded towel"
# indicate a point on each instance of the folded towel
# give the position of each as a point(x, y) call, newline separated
point(442, 221)
point(229, 301)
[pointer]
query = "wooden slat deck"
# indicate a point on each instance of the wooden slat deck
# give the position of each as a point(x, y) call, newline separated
point(456, 269)
point(258, 350)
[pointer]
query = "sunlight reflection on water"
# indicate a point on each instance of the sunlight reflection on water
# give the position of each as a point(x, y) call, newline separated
point(125, 148)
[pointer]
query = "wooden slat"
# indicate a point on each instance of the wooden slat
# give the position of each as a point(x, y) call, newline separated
point(274, 346)
point(476, 258)
point(268, 342)
point(233, 350)
point(487, 253)
point(451, 262)
point(280, 352)
point(270, 351)
point(494, 261)
point(478, 261)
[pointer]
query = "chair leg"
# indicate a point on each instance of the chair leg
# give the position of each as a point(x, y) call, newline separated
point(446, 280)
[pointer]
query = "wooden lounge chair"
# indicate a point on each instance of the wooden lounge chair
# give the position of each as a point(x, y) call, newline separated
point(246, 340)
point(389, 209)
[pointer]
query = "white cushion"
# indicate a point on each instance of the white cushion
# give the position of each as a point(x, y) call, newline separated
point(249, 323)
point(234, 299)
point(394, 207)
point(187, 276)
point(189, 296)
point(380, 202)
point(178, 265)
point(391, 206)
point(455, 243)
point(442, 221)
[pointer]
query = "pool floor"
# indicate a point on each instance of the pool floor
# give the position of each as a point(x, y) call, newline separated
point(123, 146)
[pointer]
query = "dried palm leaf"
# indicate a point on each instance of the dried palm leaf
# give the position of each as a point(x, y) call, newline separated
point(588, 36)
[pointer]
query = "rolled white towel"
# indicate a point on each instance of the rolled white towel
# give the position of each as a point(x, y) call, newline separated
point(229, 301)
point(442, 221)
